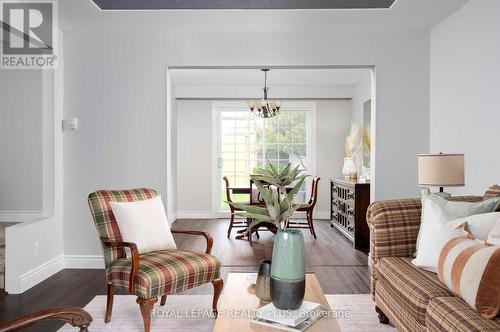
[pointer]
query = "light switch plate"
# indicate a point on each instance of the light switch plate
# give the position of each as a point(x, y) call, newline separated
point(70, 124)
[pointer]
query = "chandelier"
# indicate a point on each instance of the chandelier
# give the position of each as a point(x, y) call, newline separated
point(264, 108)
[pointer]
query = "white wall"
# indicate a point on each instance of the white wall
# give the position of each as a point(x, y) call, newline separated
point(194, 153)
point(361, 94)
point(333, 121)
point(34, 248)
point(465, 87)
point(118, 92)
point(21, 112)
point(194, 157)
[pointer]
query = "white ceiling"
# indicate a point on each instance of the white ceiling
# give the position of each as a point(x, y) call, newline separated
point(274, 77)
point(405, 14)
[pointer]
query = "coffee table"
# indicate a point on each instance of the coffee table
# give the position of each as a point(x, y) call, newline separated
point(238, 302)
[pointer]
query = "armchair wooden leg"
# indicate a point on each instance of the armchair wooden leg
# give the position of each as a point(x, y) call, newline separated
point(146, 306)
point(109, 303)
point(163, 300)
point(218, 285)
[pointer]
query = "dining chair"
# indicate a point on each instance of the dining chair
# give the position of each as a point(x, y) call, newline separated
point(229, 191)
point(154, 274)
point(308, 209)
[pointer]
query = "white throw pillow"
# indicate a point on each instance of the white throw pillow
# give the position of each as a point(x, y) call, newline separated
point(451, 209)
point(434, 234)
point(480, 225)
point(144, 223)
point(494, 236)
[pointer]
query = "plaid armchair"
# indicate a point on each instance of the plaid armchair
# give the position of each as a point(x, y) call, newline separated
point(150, 275)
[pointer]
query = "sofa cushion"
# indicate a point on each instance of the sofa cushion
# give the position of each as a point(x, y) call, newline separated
point(388, 300)
point(454, 315)
point(413, 287)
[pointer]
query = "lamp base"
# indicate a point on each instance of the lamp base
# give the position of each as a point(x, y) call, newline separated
point(443, 194)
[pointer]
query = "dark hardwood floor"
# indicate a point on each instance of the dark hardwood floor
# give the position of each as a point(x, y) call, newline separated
point(339, 268)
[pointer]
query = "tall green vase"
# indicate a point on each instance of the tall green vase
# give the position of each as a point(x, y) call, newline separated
point(288, 278)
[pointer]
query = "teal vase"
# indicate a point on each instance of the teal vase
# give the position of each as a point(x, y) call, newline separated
point(288, 277)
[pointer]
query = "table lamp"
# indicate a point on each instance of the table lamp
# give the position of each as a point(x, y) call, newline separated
point(441, 170)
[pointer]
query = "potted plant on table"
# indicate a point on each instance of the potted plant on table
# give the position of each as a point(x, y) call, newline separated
point(287, 268)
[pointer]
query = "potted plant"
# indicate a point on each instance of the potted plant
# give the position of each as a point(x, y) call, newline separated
point(287, 268)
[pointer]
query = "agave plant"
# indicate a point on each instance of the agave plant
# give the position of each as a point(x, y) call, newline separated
point(280, 204)
point(279, 179)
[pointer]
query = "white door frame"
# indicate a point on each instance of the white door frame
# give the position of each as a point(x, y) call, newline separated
point(169, 100)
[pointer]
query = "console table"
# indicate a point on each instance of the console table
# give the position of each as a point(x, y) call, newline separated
point(349, 201)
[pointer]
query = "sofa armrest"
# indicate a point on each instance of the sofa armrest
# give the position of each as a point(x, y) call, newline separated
point(394, 226)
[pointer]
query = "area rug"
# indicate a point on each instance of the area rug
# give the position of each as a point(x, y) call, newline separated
point(190, 313)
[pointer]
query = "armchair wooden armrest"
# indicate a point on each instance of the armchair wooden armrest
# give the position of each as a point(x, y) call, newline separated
point(208, 237)
point(135, 258)
point(77, 317)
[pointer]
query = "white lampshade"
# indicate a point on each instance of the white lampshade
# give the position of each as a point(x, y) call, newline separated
point(441, 170)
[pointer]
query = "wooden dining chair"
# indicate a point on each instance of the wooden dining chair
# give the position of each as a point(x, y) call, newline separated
point(229, 191)
point(308, 209)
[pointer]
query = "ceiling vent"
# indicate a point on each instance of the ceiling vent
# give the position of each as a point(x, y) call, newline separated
point(240, 4)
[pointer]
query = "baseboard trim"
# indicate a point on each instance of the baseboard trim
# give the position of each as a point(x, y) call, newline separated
point(84, 261)
point(171, 217)
point(38, 274)
point(196, 215)
point(323, 215)
point(48, 269)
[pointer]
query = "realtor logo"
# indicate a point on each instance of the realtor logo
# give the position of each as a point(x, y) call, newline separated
point(29, 34)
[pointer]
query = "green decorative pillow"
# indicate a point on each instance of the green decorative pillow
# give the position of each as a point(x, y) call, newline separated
point(461, 209)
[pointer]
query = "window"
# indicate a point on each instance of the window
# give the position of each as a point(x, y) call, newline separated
point(246, 143)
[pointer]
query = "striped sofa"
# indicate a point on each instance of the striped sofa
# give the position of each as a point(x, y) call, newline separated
point(410, 298)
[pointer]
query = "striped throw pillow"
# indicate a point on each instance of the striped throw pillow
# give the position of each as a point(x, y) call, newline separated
point(471, 269)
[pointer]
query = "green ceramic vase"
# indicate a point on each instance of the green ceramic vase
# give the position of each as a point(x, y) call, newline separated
point(288, 278)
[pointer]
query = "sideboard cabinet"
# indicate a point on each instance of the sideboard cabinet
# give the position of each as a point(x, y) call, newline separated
point(349, 201)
